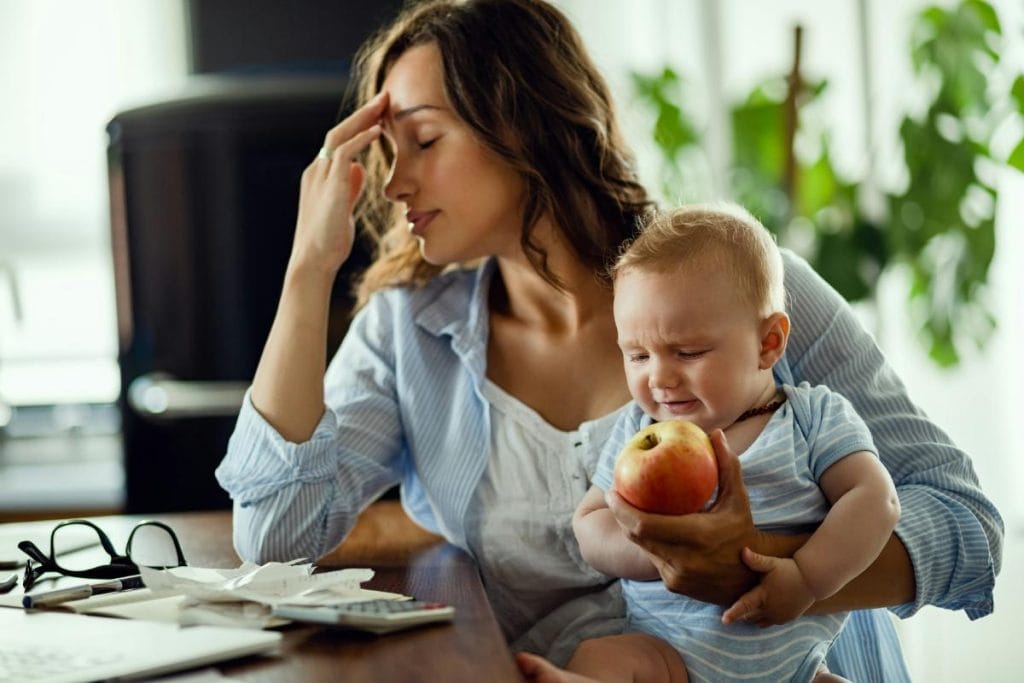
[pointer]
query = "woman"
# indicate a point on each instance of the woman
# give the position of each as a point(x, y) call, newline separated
point(482, 373)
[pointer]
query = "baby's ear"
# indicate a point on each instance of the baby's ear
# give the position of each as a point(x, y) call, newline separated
point(774, 335)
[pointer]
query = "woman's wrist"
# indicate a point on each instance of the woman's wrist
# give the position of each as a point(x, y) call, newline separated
point(889, 581)
point(779, 545)
point(306, 270)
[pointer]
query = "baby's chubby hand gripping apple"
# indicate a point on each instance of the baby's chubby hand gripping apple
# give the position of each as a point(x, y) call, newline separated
point(668, 468)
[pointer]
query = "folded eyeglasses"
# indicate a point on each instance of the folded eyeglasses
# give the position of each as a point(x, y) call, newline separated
point(150, 544)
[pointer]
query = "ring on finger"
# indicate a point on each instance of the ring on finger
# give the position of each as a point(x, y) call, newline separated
point(325, 153)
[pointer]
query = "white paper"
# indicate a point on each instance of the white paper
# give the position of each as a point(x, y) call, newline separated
point(166, 609)
point(73, 537)
point(268, 584)
point(231, 614)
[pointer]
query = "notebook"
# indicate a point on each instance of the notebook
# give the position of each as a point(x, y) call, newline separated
point(55, 647)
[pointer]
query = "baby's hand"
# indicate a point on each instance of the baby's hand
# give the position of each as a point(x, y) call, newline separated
point(781, 596)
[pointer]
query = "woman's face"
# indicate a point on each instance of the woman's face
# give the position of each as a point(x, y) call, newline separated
point(461, 200)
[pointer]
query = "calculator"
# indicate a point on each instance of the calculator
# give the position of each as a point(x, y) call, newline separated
point(375, 616)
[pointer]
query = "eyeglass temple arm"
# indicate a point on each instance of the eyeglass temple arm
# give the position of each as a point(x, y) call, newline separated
point(33, 551)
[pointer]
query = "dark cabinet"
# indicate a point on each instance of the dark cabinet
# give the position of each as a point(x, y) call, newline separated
point(204, 191)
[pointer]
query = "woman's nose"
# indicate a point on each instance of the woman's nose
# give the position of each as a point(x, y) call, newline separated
point(398, 187)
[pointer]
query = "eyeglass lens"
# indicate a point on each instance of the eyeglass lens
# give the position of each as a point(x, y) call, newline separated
point(68, 540)
point(153, 546)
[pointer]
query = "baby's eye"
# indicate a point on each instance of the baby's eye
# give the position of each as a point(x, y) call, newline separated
point(636, 357)
point(689, 355)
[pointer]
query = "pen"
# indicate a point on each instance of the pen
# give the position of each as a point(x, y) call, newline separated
point(81, 592)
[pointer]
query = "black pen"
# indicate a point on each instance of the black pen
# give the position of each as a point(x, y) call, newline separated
point(81, 592)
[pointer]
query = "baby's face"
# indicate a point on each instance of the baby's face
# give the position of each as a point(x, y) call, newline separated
point(690, 345)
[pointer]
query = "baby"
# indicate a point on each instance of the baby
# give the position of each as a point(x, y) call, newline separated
point(699, 308)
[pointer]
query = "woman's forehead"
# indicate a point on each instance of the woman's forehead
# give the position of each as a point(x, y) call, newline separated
point(416, 80)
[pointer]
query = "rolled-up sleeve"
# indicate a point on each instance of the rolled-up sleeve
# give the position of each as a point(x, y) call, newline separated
point(301, 499)
point(951, 530)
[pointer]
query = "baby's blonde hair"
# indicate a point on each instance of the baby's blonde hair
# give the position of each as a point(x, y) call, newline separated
point(722, 235)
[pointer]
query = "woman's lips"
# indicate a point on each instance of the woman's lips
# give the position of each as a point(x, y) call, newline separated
point(419, 220)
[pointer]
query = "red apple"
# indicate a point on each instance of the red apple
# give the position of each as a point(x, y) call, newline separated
point(668, 468)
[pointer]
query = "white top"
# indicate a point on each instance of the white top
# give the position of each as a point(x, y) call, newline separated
point(520, 511)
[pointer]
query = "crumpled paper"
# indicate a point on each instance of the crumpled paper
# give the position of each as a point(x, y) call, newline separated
point(269, 584)
point(244, 596)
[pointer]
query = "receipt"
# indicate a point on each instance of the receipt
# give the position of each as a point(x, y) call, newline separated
point(268, 584)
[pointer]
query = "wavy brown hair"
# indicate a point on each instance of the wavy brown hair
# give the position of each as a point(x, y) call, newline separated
point(517, 73)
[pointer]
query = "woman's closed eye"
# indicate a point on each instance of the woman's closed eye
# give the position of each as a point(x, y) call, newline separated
point(427, 144)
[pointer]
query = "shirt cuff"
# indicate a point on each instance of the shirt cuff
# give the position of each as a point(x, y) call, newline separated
point(953, 565)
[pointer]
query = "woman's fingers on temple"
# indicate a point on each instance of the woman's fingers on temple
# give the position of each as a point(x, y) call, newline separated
point(356, 122)
point(348, 150)
point(356, 177)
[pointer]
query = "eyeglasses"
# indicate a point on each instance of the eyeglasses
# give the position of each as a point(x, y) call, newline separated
point(150, 544)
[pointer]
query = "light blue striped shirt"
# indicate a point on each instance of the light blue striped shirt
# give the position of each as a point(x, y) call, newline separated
point(405, 405)
point(813, 430)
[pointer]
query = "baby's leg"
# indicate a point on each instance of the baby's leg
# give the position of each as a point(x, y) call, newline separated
point(630, 657)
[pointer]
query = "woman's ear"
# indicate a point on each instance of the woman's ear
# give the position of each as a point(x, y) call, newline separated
point(774, 335)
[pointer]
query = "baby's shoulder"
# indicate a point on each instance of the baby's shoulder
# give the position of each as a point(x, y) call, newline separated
point(813, 404)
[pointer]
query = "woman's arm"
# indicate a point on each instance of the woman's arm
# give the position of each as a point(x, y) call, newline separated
point(298, 478)
point(699, 555)
point(950, 532)
point(301, 499)
point(288, 389)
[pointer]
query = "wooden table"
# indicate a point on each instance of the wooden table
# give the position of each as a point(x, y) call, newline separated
point(470, 649)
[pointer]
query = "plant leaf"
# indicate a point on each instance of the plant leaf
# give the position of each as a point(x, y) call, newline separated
point(1017, 91)
point(986, 14)
point(1017, 157)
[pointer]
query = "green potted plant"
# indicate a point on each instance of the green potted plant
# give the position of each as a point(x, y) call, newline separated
point(940, 224)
